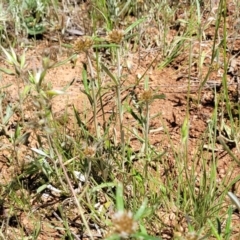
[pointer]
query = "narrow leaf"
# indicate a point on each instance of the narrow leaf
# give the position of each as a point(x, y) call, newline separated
point(159, 96)
point(119, 198)
point(41, 188)
point(135, 116)
point(106, 70)
point(85, 80)
point(141, 210)
point(23, 139)
point(134, 25)
point(7, 71)
point(9, 113)
point(40, 152)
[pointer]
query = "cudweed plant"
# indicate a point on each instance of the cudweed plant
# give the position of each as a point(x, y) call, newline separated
point(17, 67)
point(124, 223)
point(41, 94)
point(143, 115)
point(147, 98)
point(17, 62)
point(85, 44)
point(89, 153)
point(116, 37)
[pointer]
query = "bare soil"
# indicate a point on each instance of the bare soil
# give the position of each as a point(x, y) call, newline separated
point(172, 80)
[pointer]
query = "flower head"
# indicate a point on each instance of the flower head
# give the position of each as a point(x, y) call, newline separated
point(89, 151)
point(124, 224)
point(83, 44)
point(147, 96)
point(115, 36)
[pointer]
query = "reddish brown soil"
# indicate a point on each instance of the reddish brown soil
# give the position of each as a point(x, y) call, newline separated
point(172, 81)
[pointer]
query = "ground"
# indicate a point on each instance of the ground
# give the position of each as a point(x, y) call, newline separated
point(184, 98)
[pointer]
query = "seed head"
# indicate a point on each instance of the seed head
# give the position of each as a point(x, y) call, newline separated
point(115, 36)
point(124, 224)
point(89, 151)
point(82, 44)
point(147, 96)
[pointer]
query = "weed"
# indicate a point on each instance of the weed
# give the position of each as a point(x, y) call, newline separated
point(104, 168)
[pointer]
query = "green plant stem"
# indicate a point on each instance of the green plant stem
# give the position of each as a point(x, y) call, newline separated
point(215, 49)
point(100, 87)
point(226, 63)
point(120, 110)
point(146, 137)
point(94, 97)
point(146, 127)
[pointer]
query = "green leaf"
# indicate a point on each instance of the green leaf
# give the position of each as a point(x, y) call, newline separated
point(85, 80)
point(214, 230)
point(159, 96)
point(141, 210)
point(37, 230)
point(133, 25)
point(41, 188)
point(40, 152)
point(7, 71)
point(119, 198)
point(228, 229)
point(8, 115)
point(64, 61)
point(79, 121)
point(37, 29)
point(10, 59)
point(22, 60)
point(185, 130)
point(17, 132)
point(143, 229)
point(135, 116)
point(105, 69)
point(135, 132)
point(42, 76)
point(54, 92)
point(23, 139)
point(106, 45)
point(25, 91)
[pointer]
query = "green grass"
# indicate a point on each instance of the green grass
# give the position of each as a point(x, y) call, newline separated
point(96, 181)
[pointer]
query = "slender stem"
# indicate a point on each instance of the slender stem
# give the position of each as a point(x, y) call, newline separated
point(120, 111)
point(100, 88)
point(200, 53)
point(94, 97)
point(227, 149)
point(146, 138)
point(146, 127)
point(81, 211)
